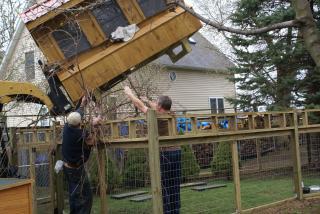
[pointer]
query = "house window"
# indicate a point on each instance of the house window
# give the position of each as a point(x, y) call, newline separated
point(29, 65)
point(217, 105)
point(45, 121)
point(28, 137)
point(172, 76)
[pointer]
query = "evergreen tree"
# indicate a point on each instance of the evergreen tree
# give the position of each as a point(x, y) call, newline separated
point(189, 166)
point(271, 66)
point(221, 163)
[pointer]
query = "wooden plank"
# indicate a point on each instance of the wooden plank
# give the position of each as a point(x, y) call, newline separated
point(267, 121)
point(51, 172)
point(91, 28)
point(114, 130)
point(194, 127)
point(59, 181)
point(131, 10)
point(8, 183)
point(13, 142)
point(296, 158)
point(17, 198)
point(172, 126)
point(32, 171)
point(266, 206)
point(141, 198)
point(251, 122)
point(236, 176)
point(305, 119)
point(132, 129)
point(128, 194)
point(102, 180)
point(193, 184)
point(258, 151)
point(154, 162)
point(50, 48)
point(206, 187)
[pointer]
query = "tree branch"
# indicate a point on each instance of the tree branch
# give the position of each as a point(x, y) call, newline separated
point(219, 27)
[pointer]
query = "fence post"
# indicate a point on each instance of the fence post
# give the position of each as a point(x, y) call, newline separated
point(154, 162)
point(258, 151)
point(14, 152)
point(296, 158)
point(48, 139)
point(102, 180)
point(58, 177)
point(236, 176)
point(32, 171)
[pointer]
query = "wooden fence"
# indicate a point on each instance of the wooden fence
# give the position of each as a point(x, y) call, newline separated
point(143, 133)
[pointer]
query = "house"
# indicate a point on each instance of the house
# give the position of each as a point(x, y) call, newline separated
point(196, 82)
point(199, 80)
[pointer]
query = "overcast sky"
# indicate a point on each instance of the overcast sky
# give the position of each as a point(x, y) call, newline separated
point(214, 37)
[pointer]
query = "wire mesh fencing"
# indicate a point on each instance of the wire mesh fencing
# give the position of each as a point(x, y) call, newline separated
point(310, 161)
point(33, 162)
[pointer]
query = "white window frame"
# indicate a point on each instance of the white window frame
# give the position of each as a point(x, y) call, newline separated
point(219, 97)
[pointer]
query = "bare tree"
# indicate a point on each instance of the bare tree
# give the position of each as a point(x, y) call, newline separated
point(304, 21)
point(9, 10)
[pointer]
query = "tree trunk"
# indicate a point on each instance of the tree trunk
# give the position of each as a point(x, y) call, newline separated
point(308, 27)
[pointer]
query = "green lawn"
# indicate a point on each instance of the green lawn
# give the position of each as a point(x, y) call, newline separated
point(253, 192)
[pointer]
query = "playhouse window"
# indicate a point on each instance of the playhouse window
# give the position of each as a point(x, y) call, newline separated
point(109, 16)
point(71, 39)
point(151, 7)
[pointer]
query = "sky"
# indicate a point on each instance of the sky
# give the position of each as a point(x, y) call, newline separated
point(214, 37)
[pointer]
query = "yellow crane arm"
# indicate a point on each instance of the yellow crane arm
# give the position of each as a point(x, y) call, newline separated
point(23, 91)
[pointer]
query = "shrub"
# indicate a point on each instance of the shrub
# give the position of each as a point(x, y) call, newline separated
point(112, 176)
point(189, 166)
point(221, 162)
point(136, 168)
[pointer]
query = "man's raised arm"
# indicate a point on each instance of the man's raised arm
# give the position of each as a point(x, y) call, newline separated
point(136, 102)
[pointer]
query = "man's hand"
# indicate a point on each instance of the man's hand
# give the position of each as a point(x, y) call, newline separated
point(144, 99)
point(96, 120)
point(83, 101)
point(127, 91)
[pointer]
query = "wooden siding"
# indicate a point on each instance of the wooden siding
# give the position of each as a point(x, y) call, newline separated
point(192, 89)
point(17, 198)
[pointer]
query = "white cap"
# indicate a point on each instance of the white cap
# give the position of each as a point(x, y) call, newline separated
point(74, 119)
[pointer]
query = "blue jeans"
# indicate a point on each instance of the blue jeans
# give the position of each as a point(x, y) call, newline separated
point(80, 195)
point(170, 165)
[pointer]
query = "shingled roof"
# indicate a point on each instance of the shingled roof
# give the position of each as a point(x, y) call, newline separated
point(204, 55)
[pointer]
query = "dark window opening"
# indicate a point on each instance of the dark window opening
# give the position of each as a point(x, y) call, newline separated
point(29, 65)
point(152, 7)
point(109, 16)
point(71, 39)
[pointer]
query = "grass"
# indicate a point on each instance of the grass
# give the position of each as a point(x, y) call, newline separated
point(254, 193)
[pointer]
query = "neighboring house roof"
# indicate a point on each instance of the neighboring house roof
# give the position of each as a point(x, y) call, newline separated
point(204, 55)
point(41, 9)
point(12, 45)
point(11, 48)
